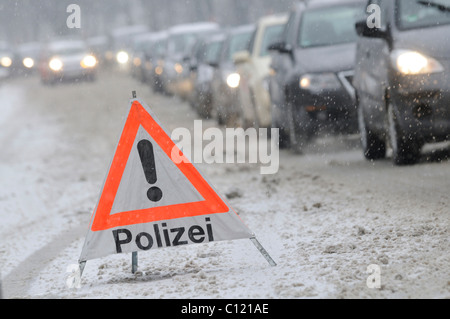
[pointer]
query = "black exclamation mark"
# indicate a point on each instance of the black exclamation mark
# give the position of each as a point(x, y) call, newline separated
point(145, 149)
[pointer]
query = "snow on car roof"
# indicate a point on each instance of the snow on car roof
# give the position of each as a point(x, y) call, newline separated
point(193, 27)
point(61, 45)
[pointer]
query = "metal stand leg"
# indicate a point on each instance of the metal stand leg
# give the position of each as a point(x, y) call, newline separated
point(134, 262)
point(263, 251)
point(82, 265)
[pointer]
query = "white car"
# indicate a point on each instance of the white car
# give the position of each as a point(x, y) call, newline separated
point(67, 59)
point(181, 38)
point(253, 66)
point(6, 60)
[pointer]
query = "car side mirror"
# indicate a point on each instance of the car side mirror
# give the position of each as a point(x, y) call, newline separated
point(363, 30)
point(213, 64)
point(281, 47)
point(241, 57)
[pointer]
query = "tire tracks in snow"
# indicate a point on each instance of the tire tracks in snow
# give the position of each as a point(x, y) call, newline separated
point(17, 283)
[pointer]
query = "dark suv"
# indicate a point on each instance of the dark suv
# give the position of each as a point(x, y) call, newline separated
point(403, 78)
point(312, 70)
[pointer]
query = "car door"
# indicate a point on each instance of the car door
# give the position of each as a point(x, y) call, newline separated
point(282, 62)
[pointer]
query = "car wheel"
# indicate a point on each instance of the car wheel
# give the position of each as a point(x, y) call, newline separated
point(300, 128)
point(257, 122)
point(374, 148)
point(220, 117)
point(405, 147)
point(283, 133)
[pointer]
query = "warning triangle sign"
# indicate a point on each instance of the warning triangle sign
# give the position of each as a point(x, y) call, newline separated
point(150, 201)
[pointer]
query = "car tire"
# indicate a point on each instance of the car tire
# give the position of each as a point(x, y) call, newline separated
point(256, 123)
point(300, 128)
point(373, 147)
point(405, 147)
point(284, 140)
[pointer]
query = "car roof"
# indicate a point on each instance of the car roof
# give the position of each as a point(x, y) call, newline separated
point(193, 27)
point(243, 28)
point(312, 4)
point(58, 45)
point(273, 19)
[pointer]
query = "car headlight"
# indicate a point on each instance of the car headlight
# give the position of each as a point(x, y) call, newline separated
point(137, 62)
point(122, 57)
point(178, 68)
point(159, 70)
point(55, 64)
point(412, 63)
point(28, 63)
point(319, 82)
point(233, 80)
point(6, 61)
point(88, 62)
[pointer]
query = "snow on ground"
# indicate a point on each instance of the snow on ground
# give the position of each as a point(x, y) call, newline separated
point(324, 217)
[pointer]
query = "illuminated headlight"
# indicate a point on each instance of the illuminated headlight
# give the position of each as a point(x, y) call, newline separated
point(159, 70)
point(178, 68)
point(137, 62)
point(122, 57)
point(319, 82)
point(233, 80)
point(412, 63)
point(89, 62)
point(56, 64)
point(6, 61)
point(28, 63)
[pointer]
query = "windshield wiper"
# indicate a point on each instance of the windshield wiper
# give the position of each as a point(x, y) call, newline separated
point(438, 6)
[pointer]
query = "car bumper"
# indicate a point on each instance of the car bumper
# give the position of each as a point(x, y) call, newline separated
point(422, 104)
point(332, 104)
point(230, 100)
point(73, 73)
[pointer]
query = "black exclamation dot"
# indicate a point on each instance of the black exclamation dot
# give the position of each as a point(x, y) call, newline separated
point(145, 149)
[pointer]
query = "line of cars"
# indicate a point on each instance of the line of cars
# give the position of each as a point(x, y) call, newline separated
point(323, 66)
point(389, 82)
point(214, 68)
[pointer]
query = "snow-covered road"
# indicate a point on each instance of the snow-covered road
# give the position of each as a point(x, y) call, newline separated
point(325, 217)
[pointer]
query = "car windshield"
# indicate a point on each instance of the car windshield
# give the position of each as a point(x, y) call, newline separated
point(71, 49)
point(159, 48)
point(329, 26)
point(238, 42)
point(180, 43)
point(271, 34)
point(419, 14)
point(212, 51)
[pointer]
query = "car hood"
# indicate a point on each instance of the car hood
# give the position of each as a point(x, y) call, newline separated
point(334, 58)
point(434, 42)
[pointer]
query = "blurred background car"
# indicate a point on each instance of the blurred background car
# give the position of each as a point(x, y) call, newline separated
point(141, 47)
point(121, 42)
point(206, 50)
point(313, 69)
point(253, 66)
point(225, 81)
point(8, 61)
point(402, 79)
point(153, 65)
point(98, 45)
point(67, 60)
point(28, 54)
point(176, 65)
